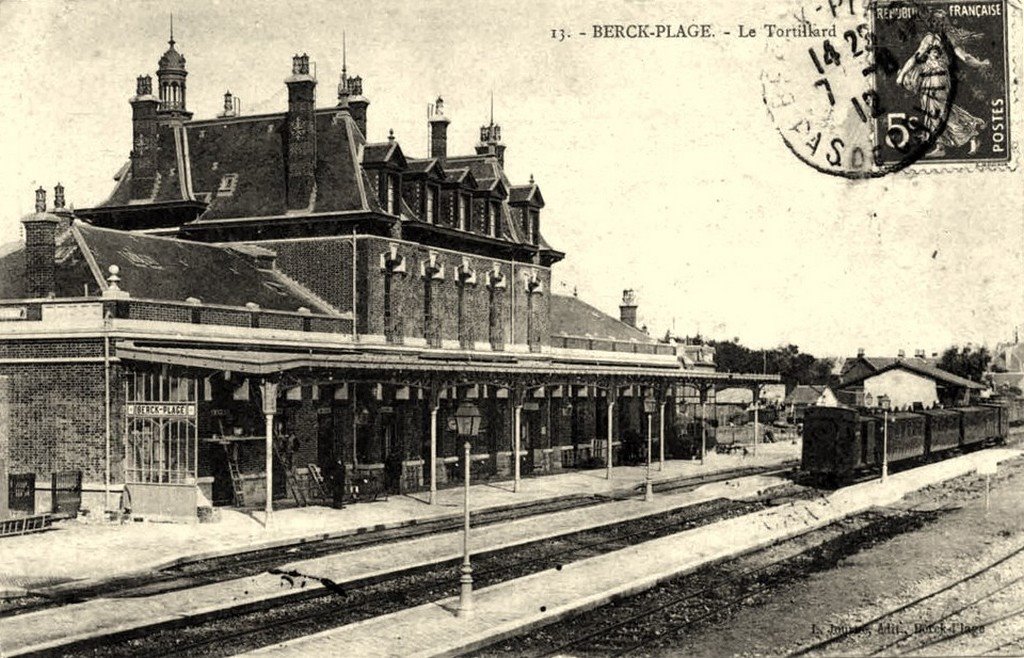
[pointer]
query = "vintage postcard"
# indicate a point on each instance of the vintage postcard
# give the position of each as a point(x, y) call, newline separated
point(561, 328)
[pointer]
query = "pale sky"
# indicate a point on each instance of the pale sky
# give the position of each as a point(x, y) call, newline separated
point(658, 161)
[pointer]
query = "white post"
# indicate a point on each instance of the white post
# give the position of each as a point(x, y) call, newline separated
point(757, 419)
point(648, 490)
point(608, 454)
point(466, 580)
point(269, 391)
point(517, 425)
point(433, 453)
point(270, 466)
point(885, 446)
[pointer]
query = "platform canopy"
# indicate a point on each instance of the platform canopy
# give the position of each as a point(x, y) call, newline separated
point(392, 365)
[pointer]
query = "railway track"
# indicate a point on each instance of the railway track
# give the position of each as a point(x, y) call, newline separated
point(925, 631)
point(218, 569)
point(645, 621)
point(335, 605)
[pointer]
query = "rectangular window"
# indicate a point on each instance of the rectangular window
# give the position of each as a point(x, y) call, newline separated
point(391, 195)
point(463, 213)
point(161, 420)
point(492, 220)
point(430, 204)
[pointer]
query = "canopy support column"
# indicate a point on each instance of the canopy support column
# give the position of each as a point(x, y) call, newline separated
point(612, 391)
point(269, 394)
point(517, 432)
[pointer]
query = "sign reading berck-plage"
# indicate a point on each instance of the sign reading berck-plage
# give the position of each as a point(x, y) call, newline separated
point(160, 409)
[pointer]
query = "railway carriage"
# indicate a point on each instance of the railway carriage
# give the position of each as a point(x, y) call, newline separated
point(841, 441)
point(942, 430)
point(906, 439)
point(835, 444)
point(978, 425)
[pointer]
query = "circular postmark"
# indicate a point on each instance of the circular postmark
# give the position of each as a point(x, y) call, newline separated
point(860, 91)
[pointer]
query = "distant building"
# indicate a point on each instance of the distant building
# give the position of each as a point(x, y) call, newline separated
point(906, 384)
point(803, 396)
point(857, 367)
point(1007, 367)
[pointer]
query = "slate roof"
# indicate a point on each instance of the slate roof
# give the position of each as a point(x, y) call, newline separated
point(174, 270)
point(251, 151)
point(805, 394)
point(71, 272)
point(237, 166)
point(525, 193)
point(379, 152)
point(917, 366)
point(160, 268)
point(878, 362)
point(170, 167)
point(571, 316)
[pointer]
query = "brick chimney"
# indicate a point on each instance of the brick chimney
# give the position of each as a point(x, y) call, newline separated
point(901, 354)
point(145, 122)
point(40, 249)
point(301, 134)
point(438, 130)
point(860, 352)
point(627, 309)
point(357, 103)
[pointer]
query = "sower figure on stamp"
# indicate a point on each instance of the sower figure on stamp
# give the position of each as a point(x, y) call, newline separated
point(927, 74)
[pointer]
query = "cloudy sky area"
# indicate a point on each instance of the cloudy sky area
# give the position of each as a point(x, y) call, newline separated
point(660, 166)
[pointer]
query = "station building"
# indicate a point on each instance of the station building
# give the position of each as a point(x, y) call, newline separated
point(275, 294)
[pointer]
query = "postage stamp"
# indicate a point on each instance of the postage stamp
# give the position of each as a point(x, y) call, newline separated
point(952, 84)
point(870, 88)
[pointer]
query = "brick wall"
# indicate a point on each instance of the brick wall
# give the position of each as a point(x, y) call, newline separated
point(57, 411)
point(35, 349)
point(407, 294)
point(159, 312)
point(324, 266)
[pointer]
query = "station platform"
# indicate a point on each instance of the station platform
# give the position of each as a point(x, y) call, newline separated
point(46, 629)
point(79, 551)
point(516, 606)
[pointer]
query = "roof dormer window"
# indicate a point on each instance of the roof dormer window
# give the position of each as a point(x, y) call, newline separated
point(390, 194)
point(492, 219)
point(429, 200)
point(463, 201)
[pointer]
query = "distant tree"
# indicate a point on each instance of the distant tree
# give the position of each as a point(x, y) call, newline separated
point(793, 366)
point(968, 363)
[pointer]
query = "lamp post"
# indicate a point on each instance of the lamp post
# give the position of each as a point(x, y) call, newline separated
point(885, 445)
point(703, 431)
point(649, 408)
point(467, 420)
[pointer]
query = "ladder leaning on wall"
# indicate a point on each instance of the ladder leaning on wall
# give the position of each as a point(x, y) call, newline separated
point(236, 476)
point(291, 478)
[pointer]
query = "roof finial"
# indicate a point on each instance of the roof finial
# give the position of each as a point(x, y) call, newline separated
point(531, 179)
point(344, 68)
point(171, 40)
point(492, 107)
